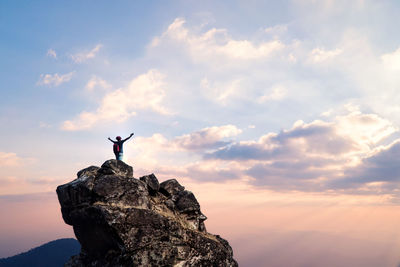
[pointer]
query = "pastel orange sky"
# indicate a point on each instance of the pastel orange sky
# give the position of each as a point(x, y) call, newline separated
point(277, 230)
point(282, 117)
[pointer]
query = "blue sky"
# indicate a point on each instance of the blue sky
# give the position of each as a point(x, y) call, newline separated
point(77, 72)
point(282, 97)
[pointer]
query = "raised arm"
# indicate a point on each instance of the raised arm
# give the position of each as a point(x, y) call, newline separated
point(128, 137)
point(111, 140)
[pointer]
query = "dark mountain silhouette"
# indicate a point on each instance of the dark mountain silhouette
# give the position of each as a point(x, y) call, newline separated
point(52, 254)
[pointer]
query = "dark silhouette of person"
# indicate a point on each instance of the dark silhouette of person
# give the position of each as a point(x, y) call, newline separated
point(118, 146)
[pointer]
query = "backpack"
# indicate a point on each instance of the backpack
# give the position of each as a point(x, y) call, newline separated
point(116, 148)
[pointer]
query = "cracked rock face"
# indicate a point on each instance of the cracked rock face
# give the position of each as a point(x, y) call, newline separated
point(123, 221)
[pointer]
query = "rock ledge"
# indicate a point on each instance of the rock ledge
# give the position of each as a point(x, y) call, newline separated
point(123, 221)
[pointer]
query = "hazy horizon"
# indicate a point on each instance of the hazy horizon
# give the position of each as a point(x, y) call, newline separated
point(273, 233)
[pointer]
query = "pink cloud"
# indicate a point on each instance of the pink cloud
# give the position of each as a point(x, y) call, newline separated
point(10, 159)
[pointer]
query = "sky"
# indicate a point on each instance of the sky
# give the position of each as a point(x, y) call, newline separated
point(281, 116)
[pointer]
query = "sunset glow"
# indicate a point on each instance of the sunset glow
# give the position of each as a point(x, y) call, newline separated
point(282, 117)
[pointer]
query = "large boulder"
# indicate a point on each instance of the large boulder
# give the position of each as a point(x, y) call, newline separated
point(152, 183)
point(123, 221)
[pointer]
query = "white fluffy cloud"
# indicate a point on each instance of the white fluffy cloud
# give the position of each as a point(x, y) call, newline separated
point(145, 92)
point(55, 79)
point(263, 67)
point(216, 43)
point(84, 56)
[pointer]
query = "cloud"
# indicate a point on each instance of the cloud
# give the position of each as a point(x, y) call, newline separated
point(317, 156)
point(55, 79)
point(84, 56)
point(392, 60)
point(45, 125)
point(182, 155)
point(278, 93)
point(277, 30)
point(309, 156)
point(97, 82)
point(232, 91)
point(51, 53)
point(216, 43)
point(145, 92)
point(349, 152)
point(13, 170)
point(222, 92)
point(354, 132)
point(318, 55)
point(207, 138)
point(265, 67)
point(10, 159)
point(212, 171)
point(317, 137)
point(376, 170)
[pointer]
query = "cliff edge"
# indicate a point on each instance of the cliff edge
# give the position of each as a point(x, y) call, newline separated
point(123, 221)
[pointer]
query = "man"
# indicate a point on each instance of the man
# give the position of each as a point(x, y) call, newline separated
point(118, 146)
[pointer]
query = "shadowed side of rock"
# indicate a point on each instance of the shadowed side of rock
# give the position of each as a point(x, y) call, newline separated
point(123, 221)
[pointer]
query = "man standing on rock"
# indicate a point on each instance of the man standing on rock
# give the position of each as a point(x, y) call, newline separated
point(118, 146)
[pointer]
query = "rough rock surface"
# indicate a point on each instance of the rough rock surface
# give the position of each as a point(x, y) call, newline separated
point(123, 221)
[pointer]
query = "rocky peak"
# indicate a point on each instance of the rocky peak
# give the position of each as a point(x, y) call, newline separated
point(123, 221)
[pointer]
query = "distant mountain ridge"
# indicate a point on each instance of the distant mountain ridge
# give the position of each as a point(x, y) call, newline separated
point(51, 254)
